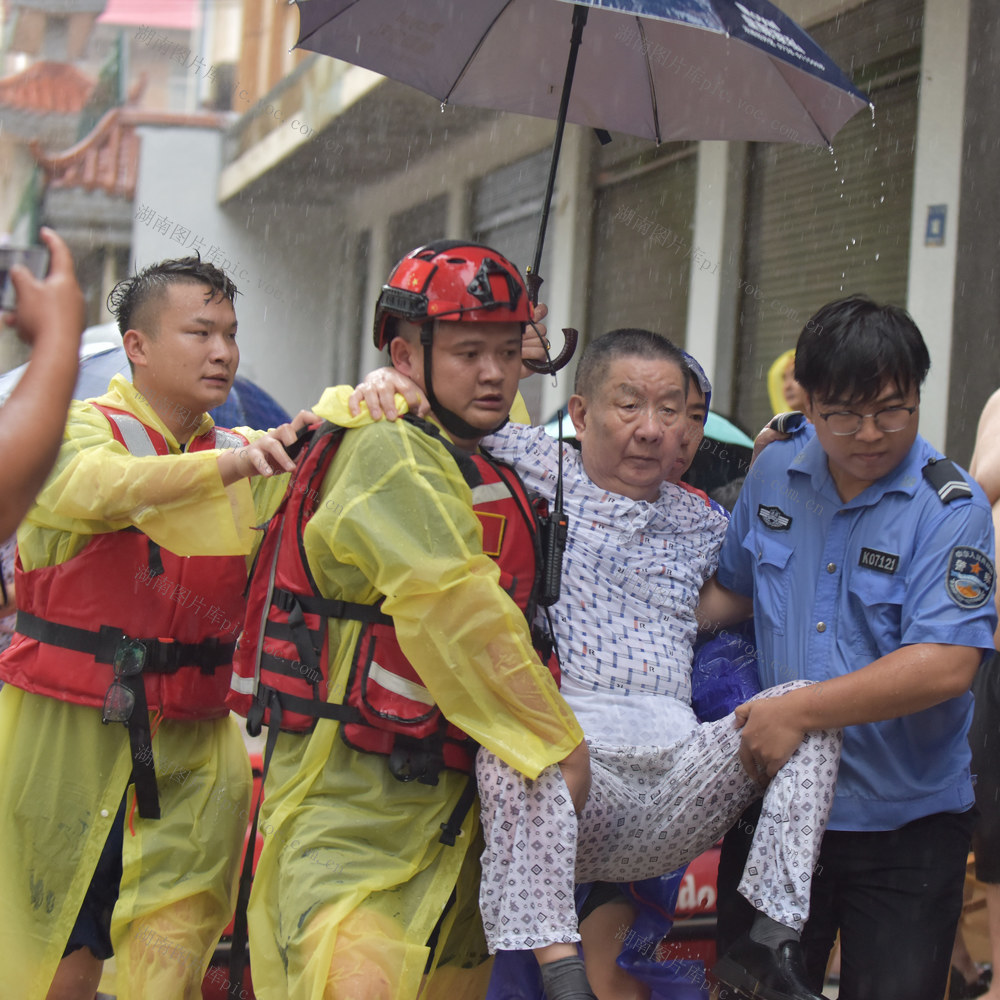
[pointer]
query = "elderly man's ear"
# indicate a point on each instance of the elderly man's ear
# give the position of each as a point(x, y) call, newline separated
point(577, 407)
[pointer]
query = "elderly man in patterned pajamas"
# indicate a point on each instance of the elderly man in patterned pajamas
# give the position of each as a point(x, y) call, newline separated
point(664, 787)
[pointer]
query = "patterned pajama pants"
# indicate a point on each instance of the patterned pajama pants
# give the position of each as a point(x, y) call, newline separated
point(650, 810)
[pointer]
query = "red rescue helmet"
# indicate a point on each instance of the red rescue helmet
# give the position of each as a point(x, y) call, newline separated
point(452, 280)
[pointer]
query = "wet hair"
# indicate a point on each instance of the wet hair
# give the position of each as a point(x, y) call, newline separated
point(627, 342)
point(129, 297)
point(852, 348)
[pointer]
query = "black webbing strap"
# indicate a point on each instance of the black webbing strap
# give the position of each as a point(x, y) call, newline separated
point(141, 744)
point(371, 614)
point(451, 829)
point(162, 656)
point(290, 668)
point(311, 707)
point(155, 559)
point(432, 940)
point(238, 943)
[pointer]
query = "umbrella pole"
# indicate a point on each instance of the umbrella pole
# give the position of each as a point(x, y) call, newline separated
point(532, 279)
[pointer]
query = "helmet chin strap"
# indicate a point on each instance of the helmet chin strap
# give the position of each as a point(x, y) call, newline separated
point(450, 421)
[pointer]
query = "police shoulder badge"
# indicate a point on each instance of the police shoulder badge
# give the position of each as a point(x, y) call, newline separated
point(970, 577)
point(774, 517)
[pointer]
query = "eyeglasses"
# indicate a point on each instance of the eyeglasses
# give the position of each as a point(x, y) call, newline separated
point(844, 423)
point(129, 659)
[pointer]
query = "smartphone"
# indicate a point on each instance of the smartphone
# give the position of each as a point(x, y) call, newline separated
point(34, 258)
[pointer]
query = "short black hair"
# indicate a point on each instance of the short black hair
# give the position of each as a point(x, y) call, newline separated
point(852, 347)
point(627, 342)
point(129, 296)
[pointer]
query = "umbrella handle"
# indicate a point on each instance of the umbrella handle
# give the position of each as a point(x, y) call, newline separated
point(551, 365)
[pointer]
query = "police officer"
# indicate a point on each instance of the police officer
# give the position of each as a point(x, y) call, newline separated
point(869, 560)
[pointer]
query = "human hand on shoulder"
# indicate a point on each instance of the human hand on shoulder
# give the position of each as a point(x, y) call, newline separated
point(378, 390)
point(266, 456)
point(289, 434)
point(779, 428)
point(50, 312)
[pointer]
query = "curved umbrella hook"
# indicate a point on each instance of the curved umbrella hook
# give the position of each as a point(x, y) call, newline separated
point(551, 365)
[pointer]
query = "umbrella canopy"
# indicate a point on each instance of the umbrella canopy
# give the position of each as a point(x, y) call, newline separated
point(662, 69)
point(247, 406)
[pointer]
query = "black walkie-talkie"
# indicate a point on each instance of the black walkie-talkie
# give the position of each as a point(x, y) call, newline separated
point(555, 526)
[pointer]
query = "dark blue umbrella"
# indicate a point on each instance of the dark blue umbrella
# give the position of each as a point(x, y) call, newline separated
point(662, 69)
point(247, 406)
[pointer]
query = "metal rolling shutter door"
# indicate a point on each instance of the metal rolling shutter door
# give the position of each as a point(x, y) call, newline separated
point(821, 226)
point(642, 245)
point(506, 206)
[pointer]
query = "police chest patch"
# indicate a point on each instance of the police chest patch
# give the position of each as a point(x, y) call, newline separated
point(970, 577)
point(884, 562)
point(774, 517)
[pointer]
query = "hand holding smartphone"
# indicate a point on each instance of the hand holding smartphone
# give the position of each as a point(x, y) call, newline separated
point(34, 258)
point(39, 293)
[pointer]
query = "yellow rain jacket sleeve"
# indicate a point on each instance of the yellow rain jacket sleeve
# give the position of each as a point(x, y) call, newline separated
point(401, 515)
point(519, 412)
point(177, 499)
point(64, 773)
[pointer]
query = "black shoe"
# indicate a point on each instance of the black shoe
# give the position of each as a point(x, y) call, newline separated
point(756, 970)
point(962, 989)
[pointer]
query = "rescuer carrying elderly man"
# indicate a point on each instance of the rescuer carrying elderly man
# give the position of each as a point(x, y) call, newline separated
point(123, 776)
point(394, 635)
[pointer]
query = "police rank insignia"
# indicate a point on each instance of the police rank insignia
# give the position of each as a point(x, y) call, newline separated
point(774, 517)
point(970, 577)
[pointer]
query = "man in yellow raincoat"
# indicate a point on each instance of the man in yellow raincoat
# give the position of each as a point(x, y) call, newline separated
point(355, 894)
point(123, 616)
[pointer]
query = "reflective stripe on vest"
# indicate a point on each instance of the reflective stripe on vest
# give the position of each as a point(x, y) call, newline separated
point(227, 439)
point(377, 674)
point(137, 438)
point(144, 442)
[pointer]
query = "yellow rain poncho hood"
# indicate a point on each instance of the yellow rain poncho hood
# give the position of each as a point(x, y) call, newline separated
point(775, 381)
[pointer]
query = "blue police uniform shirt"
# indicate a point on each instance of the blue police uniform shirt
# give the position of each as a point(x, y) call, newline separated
point(837, 585)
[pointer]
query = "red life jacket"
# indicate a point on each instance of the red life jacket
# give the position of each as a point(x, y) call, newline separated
point(186, 610)
point(281, 669)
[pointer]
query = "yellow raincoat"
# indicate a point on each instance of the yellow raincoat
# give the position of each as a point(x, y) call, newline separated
point(353, 877)
point(63, 773)
point(776, 380)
